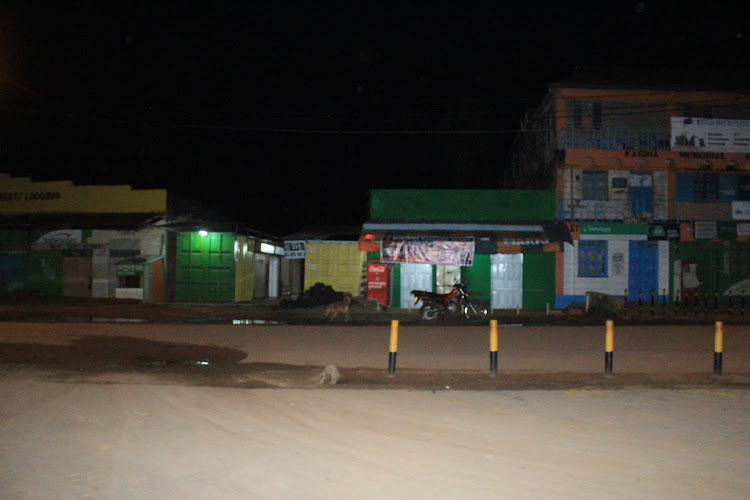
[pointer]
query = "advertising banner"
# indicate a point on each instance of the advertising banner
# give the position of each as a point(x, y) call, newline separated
point(664, 231)
point(741, 210)
point(377, 283)
point(710, 135)
point(428, 250)
point(706, 230)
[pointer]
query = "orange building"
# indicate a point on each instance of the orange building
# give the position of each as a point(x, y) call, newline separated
point(653, 179)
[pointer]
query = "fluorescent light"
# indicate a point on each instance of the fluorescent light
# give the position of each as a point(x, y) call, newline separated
point(203, 232)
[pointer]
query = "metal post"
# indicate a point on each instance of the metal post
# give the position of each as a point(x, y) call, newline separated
point(493, 347)
point(393, 349)
point(639, 302)
point(695, 304)
point(609, 344)
point(705, 303)
point(718, 346)
point(652, 302)
point(626, 300)
point(716, 302)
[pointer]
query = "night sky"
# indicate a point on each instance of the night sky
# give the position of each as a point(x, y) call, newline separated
point(281, 115)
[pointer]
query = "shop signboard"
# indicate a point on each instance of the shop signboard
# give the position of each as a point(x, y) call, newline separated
point(664, 231)
point(613, 231)
point(706, 230)
point(741, 210)
point(294, 249)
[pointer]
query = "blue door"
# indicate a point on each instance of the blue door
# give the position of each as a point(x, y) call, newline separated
point(641, 194)
point(643, 270)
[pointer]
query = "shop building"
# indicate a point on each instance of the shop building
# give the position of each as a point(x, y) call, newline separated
point(653, 180)
point(61, 239)
point(503, 242)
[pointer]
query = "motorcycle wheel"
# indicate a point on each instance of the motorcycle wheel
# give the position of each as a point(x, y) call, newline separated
point(429, 312)
point(475, 312)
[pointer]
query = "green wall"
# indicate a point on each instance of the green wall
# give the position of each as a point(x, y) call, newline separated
point(720, 264)
point(538, 280)
point(45, 272)
point(468, 205)
point(479, 276)
point(205, 267)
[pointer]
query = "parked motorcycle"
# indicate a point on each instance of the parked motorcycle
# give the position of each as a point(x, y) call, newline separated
point(436, 305)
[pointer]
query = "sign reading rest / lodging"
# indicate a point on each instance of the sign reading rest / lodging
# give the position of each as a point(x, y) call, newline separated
point(21, 195)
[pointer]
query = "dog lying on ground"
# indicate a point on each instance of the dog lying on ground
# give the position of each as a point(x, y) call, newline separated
point(335, 308)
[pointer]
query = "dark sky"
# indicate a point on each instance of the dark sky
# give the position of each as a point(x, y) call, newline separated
point(283, 114)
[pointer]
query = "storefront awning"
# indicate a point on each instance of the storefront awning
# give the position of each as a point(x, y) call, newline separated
point(489, 238)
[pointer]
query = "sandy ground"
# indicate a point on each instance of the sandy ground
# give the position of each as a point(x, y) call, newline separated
point(176, 408)
point(144, 438)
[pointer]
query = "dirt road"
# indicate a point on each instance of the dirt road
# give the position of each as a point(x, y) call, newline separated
point(137, 437)
point(121, 410)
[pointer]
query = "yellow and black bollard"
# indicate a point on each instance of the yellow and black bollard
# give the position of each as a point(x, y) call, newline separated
point(718, 346)
point(493, 347)
point(609, 347)
point(393, 349)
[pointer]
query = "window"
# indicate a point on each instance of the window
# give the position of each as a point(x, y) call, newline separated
point(592, 259)
point(696, 110)
point(594, 185)
point(597, 117)
point(706, 187)
point(577, 114)
point(587, 114)
point(619, 182)
point(129, 281)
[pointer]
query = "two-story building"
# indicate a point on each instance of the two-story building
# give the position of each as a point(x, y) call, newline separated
point(653, 180)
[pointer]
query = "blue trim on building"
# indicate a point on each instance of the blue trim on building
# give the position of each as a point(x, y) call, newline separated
point(563, 301)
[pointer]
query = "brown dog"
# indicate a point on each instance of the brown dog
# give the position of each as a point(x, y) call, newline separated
point(335, 308)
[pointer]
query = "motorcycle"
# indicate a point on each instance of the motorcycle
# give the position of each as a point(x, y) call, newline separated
point(436, 305)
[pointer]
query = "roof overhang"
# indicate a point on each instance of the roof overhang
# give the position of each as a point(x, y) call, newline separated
point(489, 237)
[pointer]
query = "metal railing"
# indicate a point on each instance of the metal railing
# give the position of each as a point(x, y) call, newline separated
point(683, 211)
point(593, 210)
point(575, 209)
point(615, 137)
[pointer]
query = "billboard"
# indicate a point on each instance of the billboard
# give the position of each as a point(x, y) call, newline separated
point(710, 135)
point(428, 250)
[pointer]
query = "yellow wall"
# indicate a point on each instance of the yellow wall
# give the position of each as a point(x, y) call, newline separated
point(337, 264)
point(244, 271)
point(20, 195)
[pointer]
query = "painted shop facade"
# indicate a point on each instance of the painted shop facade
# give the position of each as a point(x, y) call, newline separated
point(61, 239)
point(654, 184)
point(503, 242)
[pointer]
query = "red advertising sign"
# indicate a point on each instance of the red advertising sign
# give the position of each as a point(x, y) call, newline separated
point(377, 283)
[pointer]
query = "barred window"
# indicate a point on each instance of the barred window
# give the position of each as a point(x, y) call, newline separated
point(594, 185)
point(592, 258)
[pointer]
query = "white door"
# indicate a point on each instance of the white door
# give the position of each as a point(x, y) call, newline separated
point(414, 277)
point(445, 277)
point(506, 277)
point(273, 276)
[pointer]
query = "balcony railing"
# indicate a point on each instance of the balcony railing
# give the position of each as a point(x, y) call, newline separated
point(607, 210)
point(641, 138)
point(593, 210)
point(686, 211)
